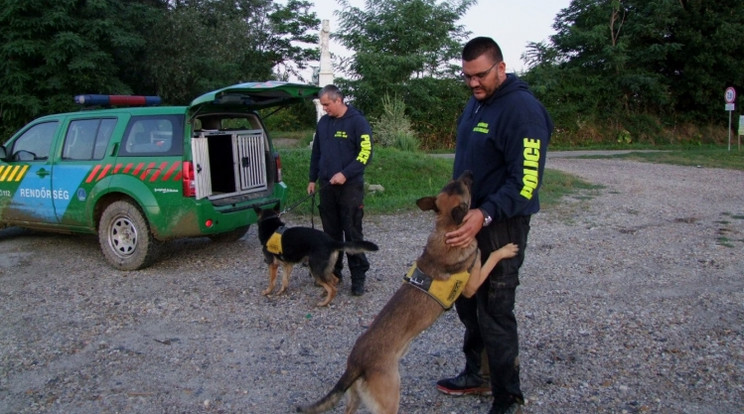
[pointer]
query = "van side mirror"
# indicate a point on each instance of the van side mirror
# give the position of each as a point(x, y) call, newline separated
point(3, 152)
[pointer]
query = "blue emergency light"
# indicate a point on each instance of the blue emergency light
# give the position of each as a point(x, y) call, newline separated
point(122, 100)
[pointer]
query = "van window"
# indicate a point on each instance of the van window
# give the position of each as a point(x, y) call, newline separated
point(153, 136)
point(87, 139)
point(35, 143)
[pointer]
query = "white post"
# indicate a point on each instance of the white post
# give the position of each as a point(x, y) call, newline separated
point(325, 72)
point(325, 76)
point(729, 131)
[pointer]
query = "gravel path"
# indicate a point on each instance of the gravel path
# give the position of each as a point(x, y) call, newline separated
point(632, 301)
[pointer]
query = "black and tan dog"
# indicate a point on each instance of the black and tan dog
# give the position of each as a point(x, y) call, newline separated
point(439, 276)
point(291, 245)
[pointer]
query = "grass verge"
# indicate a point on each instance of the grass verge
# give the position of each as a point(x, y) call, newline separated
point(405, 176)
point(696, 157)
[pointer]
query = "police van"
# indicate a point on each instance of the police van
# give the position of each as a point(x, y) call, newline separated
point(137, 174)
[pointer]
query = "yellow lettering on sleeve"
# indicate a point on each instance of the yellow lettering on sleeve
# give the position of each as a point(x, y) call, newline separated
point(530, 165)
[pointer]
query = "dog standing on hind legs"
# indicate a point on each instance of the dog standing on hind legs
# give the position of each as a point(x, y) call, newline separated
point(439, 276)
point(288, 246)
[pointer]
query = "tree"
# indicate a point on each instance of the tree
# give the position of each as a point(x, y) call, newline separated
point(639, 64)
point(205, 44)
point(710, 59)
point(398, 46)
point(54, 49)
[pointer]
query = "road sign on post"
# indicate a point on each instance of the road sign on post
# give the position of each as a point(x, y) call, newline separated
point(730, 97)
point(730, 94)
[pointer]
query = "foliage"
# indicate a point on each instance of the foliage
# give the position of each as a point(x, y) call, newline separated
point(54, 49)
point(393, 128)
point(298, 117)
point(434, 106)
point(229, 41)
point(648, 71)
point(406, 48)
point(647, 67)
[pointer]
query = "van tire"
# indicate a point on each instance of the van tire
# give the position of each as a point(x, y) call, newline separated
point(230, 236)
point(125, 237)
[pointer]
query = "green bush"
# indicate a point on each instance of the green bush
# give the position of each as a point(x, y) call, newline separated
point(393, 129)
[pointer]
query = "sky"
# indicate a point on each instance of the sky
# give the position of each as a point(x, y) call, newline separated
point(512, 24)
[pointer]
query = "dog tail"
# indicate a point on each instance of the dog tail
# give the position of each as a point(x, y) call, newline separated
point(333, 397)
point(361, 246)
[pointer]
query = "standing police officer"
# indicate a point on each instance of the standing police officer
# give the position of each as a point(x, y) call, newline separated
point(502, 137)
point(341, 150)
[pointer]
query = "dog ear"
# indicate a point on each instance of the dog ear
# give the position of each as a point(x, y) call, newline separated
point(467, 178)
point(276, 208)
point(427, 203)
point(459, 212)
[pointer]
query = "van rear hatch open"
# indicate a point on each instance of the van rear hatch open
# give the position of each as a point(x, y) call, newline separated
point(233, 160)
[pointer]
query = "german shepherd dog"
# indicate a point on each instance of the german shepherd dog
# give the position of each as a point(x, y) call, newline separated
point(372, 375)
point(291, 245)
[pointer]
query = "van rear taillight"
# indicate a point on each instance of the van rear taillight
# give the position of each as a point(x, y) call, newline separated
point(189, 184)
point(278, 161)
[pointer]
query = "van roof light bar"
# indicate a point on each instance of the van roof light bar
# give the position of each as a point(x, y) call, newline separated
point(119, 100)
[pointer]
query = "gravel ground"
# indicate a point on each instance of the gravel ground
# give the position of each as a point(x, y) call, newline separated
point(632, 301)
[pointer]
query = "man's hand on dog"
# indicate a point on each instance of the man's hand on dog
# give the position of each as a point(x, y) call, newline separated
point(464, 235)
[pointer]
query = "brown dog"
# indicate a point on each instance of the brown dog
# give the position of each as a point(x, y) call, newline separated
point(371, 374)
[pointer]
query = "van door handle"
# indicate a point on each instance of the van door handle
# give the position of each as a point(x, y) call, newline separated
point(42, 173)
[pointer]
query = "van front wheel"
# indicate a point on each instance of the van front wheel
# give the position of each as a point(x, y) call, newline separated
point(125, 237)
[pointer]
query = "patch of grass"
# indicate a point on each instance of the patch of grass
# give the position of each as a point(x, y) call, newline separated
point(303, 136)
point(408, 176)
point(557, 185)
point(697, 157)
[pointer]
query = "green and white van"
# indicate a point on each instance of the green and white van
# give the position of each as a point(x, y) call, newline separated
point(140, 175)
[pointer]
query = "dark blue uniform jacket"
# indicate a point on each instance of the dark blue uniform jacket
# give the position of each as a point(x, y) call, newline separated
point(504, 141)
point(341, 145)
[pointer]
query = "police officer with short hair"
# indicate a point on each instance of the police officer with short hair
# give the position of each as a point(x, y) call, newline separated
point(502, 137)
point(342, 148)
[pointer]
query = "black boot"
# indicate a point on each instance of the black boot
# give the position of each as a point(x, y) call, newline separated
point(357, 284)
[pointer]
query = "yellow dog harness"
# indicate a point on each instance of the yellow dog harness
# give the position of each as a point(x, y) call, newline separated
point(274, 245)
point(443, 291)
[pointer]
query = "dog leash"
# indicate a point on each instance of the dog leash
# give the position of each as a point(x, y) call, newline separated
point(312, 205)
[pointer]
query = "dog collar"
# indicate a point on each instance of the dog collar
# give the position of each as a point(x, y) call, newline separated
point(274, 245)
point(445, 292)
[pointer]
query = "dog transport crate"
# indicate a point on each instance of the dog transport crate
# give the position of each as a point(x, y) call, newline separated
point(229, 164)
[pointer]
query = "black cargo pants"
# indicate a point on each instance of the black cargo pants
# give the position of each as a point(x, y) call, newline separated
point(488, 316)
point(341, 211)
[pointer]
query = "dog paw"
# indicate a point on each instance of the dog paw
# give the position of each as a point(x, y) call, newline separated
point(266, 292)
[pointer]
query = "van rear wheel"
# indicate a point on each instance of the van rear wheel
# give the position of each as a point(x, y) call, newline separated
point(125, 237)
